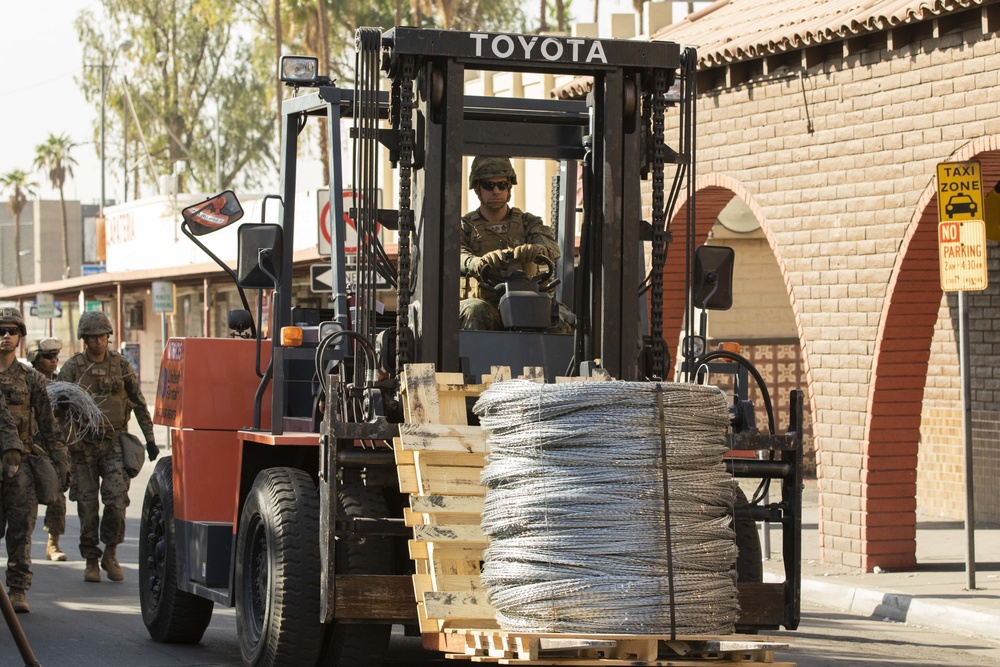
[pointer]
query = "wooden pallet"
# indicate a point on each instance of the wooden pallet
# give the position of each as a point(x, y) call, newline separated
point(562, 649)
point(439, 460)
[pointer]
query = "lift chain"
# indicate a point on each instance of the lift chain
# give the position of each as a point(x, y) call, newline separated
point(659, 247)
point(404, 84)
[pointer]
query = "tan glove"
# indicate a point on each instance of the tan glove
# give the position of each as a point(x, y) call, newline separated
point(494, 259)
point(527, 253)
point(65, 476)
point(11, 461)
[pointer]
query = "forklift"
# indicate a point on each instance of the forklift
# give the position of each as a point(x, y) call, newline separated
point(281, 497)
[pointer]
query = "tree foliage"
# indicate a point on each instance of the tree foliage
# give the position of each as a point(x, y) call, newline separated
point(190, 58)
point(18, 185)
point(54, 158)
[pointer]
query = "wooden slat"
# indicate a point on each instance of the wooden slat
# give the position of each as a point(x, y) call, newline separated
point(471, 535)
point(447, 504)
point(421, 551)
point(451, 403)
point(443, 438)
point(451, 605)
point(420, 388)
point(424, 583)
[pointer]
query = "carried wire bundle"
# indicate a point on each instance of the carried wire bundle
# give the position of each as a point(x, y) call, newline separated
point(79, 415)
point(580, 515)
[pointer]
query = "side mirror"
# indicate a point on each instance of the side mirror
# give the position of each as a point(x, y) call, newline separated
point(259, 257)
point(213, 214)
point(713, 277)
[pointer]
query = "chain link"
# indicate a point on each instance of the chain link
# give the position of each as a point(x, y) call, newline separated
point(404, 85)
point(659, 245)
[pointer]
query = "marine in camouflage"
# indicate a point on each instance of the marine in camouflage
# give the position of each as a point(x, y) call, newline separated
point(98, 473)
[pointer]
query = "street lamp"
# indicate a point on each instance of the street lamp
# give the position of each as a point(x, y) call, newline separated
point(123, 45)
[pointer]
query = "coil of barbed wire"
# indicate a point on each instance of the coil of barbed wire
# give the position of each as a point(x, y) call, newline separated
point(576, 514)
point(79, 415)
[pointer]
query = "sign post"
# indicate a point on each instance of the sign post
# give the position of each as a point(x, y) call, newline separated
point(163, 303)
point(962, 256)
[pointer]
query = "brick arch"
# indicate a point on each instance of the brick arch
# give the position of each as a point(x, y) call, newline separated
point(899, 374)
point(713, 192)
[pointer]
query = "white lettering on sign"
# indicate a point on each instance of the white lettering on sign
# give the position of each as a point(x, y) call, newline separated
point(119, 229)
point(551, 48)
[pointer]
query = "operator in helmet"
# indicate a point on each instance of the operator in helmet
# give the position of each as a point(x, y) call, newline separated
point(43, 355)
point(98, 471)
point(492, 233)
point(24, 391)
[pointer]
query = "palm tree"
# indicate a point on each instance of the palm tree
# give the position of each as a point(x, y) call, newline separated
point(16, 182)
point(54, 157)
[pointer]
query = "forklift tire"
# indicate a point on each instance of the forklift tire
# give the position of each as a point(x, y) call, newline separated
point(750, 558)
point(172, 616)
point(277, 571)
point(353, 645)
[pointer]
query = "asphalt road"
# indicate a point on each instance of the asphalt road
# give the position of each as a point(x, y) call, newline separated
point(76, 624)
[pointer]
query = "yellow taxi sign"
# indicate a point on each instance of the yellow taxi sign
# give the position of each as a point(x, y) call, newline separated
point(960, 191)
point(962, 254)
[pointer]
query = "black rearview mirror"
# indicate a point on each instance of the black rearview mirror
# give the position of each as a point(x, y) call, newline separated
point(213, 214)
point(259, 258)
point(713, 277)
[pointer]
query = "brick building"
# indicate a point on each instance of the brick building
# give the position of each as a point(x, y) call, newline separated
point(825, 120)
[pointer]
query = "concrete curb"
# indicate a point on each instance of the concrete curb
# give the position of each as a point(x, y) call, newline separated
point(899, 608)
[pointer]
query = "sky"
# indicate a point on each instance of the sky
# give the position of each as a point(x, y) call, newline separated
point(46, 99)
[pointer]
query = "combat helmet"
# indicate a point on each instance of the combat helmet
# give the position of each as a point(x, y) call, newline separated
point(491, 167)
point(43, 346)
point(93, 323)
point(13, 316)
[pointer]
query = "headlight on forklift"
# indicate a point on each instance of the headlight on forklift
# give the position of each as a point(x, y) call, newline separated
point(299, 70)
point(291, 336)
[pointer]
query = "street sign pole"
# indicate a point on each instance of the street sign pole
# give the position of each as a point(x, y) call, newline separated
point(970, 498)
point(962, 256)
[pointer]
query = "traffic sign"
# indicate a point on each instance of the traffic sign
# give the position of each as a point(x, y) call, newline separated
point(960, 191)
point(325, 219)
point(163, 297)
point(961, 230)
point(320, 278)
point(45, 306)
point(962, 254)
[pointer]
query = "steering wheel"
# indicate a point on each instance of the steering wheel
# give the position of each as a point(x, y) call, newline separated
point(491, 277)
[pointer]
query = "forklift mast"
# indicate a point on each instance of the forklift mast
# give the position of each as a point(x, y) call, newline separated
point(616, 137)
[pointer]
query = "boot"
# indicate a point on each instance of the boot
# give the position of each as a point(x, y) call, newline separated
point(110, 564)
point(52, 551)
point(19, 601)
point(93, 571)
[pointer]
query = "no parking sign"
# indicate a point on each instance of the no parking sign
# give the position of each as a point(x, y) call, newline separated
point(325, 218)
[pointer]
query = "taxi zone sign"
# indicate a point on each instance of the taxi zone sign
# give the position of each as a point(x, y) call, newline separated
point(961, 230)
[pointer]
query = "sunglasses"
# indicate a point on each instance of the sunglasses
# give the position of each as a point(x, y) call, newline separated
point(10, 331)
point(494, 185)
point(49, 355)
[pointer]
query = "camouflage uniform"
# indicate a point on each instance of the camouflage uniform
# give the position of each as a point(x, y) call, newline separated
point(24, 391)
point(55, 512)
point(478, 309)
point(97, 463)
point(8, 440)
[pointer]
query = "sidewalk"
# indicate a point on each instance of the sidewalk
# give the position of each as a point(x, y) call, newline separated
point(934, 595)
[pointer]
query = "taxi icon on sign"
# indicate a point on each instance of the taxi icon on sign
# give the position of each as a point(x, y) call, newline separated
point(960, 203)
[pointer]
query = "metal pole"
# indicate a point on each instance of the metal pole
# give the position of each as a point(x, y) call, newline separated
point(218, 149)
point(124, 157)
point(970, 510)
point(104, 85)
point(16, 631)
